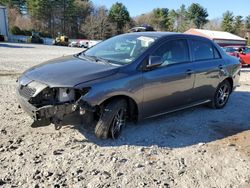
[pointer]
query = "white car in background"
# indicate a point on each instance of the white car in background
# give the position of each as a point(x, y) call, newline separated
point(83, 43)
point(73, 44)
point(93, 43)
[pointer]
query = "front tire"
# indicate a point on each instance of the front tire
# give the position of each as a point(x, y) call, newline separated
point(222, 95)
point(112, 120)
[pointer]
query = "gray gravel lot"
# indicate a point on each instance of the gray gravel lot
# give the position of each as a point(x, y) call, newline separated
point(198, 147)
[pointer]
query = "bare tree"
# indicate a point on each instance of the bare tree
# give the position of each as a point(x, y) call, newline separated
point(98, 25)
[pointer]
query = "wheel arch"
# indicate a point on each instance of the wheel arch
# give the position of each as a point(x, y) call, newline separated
point(230, 80)
point(133, 110)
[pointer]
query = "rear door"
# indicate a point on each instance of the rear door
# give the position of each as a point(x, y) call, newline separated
point(169, 86)
point(207, 65)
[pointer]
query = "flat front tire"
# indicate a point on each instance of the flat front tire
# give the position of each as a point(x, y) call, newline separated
point(112, 120)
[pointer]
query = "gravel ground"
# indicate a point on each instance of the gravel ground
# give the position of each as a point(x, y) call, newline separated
point(198, 147)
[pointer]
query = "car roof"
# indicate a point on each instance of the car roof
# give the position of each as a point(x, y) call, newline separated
point(160, 34)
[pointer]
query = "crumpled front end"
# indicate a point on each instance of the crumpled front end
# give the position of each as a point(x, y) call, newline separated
point(42, 102)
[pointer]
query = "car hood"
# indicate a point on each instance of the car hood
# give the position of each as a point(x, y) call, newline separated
point(69, 71)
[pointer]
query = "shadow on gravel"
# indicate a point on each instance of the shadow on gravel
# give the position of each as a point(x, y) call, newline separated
point(180, 129)
point(14, 46)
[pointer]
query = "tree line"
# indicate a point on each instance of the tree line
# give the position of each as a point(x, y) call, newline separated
point(83, 19)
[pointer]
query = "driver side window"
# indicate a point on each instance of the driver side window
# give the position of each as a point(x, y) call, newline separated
point(172, 52)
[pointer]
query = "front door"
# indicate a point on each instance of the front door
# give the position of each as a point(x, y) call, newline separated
point(170, 85)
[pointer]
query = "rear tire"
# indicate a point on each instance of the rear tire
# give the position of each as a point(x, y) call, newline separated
point(221, 95)
point(112, 120)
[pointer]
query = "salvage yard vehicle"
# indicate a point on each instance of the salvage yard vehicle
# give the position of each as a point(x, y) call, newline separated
point(73, 44)
point(231, 50)
point(35, 38)
point(61, 40)
point(244, 56)
point(130, 77)
point(82, 43)
point(241, 52)
point(92, 43)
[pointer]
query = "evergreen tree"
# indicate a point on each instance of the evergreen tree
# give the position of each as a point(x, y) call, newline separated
point(20, 5)
point(247, 22)
point(198, 15)
point(119, 15)
point(182, 19)
point(161, 19)
point(228, 22)
point(238, 25)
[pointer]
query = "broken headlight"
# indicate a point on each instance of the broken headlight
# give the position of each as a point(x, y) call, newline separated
point(53, 96)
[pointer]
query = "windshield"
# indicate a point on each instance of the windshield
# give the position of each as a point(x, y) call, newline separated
point(122, 49)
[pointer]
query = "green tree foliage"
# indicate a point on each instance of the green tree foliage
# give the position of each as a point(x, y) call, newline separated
point(20, 5)
point(238, 26)
point(16, 30)
point(181, 19)
point(172, 16)
point(4, 2)
point(119, 15)
point(178, 19)
point(198, 15)
point(248, 41)
point(80, 19)
point(160, 19)
point(247, 22)
point(59, 16)
point(228, 22)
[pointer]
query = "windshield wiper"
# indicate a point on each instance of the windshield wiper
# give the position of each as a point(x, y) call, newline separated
point(93, 58)
point(98, 59)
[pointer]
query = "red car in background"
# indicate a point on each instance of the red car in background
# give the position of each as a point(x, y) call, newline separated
point(231, 50)
point(243, 53)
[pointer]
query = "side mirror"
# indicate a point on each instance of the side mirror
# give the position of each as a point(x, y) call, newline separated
point(154, 61)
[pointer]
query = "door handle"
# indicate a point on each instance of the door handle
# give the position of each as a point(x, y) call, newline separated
point(189, 72)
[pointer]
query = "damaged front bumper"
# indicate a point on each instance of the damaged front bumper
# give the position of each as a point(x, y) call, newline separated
point(58, 111)
point(46, 112)
point(44, 103)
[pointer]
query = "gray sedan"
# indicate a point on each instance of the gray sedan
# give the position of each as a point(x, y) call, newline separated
point(130, 77)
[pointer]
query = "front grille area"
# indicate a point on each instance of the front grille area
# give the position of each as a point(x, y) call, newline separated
point(26, 91)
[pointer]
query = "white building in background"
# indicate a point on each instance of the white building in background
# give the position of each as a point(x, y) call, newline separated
point(3, 22)
point(220, 37)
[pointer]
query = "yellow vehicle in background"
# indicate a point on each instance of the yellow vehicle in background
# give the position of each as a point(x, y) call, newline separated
point(61, 40)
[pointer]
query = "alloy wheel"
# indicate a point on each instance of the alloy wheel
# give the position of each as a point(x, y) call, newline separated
point(118, 122)
point(223, 94)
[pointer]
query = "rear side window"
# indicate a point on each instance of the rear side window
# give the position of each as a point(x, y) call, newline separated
point(216, 54)
point(172, 52)
point(204, 50)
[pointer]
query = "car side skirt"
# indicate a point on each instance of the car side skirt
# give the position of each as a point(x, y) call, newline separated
point(178, 109)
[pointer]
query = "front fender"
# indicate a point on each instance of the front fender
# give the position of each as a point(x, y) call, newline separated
point(130, 86)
